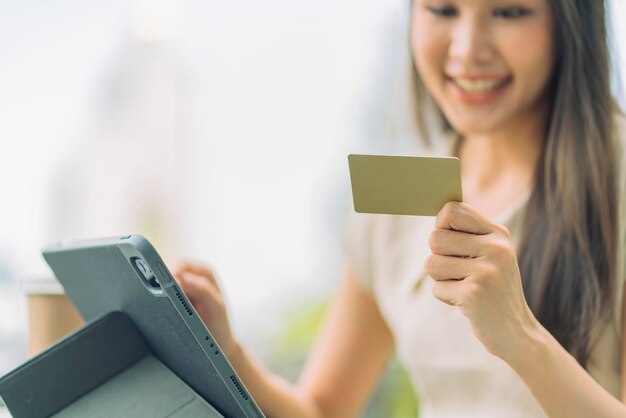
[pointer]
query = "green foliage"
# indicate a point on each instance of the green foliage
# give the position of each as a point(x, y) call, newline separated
point(394, 397)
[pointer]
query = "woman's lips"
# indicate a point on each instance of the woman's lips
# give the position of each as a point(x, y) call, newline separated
point(477, 90)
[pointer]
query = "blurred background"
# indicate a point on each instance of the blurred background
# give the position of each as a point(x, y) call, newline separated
point(219, 130)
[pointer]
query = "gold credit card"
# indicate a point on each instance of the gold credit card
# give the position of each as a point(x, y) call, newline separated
point(397, 185)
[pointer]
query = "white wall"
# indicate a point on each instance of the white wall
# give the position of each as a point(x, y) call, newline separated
point(238, 117)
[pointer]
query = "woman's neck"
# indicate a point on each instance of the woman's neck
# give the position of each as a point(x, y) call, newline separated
point(498, 167)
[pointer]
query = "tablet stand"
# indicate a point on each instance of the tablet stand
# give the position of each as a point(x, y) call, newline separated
point(104, 369)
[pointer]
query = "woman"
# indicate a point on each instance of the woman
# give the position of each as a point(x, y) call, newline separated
point(527, 274)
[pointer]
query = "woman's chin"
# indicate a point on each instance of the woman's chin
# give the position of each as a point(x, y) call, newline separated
point(472, 127)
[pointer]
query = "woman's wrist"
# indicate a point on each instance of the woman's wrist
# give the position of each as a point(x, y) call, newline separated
point(531, 346)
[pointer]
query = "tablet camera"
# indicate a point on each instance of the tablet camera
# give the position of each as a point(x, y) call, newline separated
point(146, 273)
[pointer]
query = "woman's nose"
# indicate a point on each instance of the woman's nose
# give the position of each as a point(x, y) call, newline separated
point(470, 41)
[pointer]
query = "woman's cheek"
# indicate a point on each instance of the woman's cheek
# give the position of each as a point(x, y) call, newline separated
point(428, 56)
point(529, 52)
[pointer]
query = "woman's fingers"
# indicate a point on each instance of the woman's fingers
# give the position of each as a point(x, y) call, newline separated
point(447, 291)
point(441, 267)
point(455, 243)
point(207, 300)
point(460, 216)
point(197, 287)
point(463, 232)
point(199, 284)
point(195, 268)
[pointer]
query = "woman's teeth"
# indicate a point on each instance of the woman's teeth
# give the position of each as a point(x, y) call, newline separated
point(479, 86)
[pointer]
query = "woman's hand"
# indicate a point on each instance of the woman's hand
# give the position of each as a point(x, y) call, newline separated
point(474, 266)
point(199, 284)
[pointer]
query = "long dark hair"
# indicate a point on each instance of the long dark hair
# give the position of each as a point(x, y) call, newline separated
point(568, 250)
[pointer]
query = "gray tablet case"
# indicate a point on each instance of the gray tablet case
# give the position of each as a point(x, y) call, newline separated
point(102, 370)
point(127, 274)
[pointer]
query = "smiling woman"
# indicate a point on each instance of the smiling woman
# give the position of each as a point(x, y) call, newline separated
point(525, 88)
point(487, 67)
point(494, 72)
point(510, 303)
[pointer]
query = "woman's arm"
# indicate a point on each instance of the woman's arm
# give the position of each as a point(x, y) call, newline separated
point(348, 357)
point(562, 387)
point(350, 352)
point(474, 266)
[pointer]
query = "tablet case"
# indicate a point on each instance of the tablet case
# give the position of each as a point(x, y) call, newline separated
point(102, 275)
point(104, 369)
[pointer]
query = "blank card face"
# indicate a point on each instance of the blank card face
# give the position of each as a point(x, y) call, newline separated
point(396, 185)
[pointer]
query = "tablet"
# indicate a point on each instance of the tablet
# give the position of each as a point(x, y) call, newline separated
point(127, 274)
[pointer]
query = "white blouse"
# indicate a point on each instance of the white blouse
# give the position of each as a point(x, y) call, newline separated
point(453, 374)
